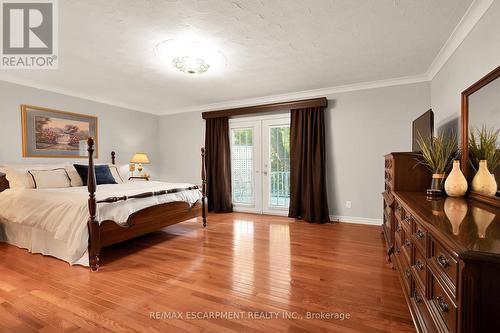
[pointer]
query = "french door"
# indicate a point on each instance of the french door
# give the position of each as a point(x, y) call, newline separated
point(260, 164)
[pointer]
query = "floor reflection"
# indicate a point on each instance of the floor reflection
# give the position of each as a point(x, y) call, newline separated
point(243, 271)
point(279, 259)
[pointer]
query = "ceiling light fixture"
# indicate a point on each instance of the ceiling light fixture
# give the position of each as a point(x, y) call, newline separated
point(190, 65)
point(190, 57)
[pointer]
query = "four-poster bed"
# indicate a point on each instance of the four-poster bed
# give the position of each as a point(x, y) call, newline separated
point(105, 233)
point(55, 221)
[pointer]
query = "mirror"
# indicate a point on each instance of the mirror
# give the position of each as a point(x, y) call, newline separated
point(481, 107)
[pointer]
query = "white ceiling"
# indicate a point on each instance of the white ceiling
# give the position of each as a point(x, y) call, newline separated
point(106, 48)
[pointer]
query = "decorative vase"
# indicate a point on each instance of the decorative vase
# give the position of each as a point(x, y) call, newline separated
point(484, 182)
point(456, 184)
point(455, 210)
point(437, 184)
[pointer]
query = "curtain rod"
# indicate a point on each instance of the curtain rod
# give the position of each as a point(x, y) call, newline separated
point(305, 103)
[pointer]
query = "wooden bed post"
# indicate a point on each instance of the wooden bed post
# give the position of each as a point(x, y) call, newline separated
point(203, 188)
point(93, 224)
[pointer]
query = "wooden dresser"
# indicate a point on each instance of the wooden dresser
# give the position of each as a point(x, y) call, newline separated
point(403, 172)
point(447, 253)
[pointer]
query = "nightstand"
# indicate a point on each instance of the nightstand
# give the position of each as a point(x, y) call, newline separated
point(139, 178)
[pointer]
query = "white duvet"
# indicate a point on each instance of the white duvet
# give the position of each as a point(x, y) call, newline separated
point(63, 213)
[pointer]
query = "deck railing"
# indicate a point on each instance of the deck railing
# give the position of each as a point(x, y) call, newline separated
point(279, 191)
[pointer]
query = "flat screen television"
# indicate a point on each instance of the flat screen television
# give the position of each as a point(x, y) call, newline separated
point(423, 125)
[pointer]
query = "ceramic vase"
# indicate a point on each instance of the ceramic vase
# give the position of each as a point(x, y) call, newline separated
point(484, 182)
point(455, 210)
point(456, 184)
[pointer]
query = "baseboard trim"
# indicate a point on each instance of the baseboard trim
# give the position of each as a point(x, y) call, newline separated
point(355, 220)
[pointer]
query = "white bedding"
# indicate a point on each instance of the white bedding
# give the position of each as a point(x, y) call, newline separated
point(63, 213)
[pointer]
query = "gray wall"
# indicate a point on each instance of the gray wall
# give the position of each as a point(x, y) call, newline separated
point(478, 54)
point(362, 126)
point(121, 130)
point(181, 138)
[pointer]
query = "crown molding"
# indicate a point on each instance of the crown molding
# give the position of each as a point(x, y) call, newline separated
point(67, 92)
point(473, 14)
point(305, 94)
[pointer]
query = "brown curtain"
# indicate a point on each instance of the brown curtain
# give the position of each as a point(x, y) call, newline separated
point(308, 198)
point(218, 165)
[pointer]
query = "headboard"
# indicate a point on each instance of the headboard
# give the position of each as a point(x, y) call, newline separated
point(4, 183)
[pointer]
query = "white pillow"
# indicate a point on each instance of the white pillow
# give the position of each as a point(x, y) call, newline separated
point(56, 178)
point(73, 175)
point(18, 179)
point(18, 176)
point(116, 173)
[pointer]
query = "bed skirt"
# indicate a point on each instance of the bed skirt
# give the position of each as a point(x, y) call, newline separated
point(37, 241)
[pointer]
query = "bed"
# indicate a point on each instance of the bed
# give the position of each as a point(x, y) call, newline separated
point(75, 223)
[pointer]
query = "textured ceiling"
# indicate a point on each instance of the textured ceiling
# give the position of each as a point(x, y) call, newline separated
point(106, 48)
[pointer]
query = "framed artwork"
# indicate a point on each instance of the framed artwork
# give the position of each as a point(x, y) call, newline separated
point(53, 133)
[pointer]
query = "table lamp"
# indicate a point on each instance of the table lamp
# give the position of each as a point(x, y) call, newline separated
point(140, 159)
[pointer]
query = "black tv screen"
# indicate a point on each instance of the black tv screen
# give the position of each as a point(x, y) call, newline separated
point(423, 125)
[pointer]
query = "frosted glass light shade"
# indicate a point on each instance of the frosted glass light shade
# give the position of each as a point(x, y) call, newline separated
point(140, 158)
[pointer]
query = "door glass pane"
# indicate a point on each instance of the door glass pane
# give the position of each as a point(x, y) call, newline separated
point(242, 166)
point(279, 167)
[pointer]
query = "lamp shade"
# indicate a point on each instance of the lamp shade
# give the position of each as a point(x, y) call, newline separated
point(140, 158)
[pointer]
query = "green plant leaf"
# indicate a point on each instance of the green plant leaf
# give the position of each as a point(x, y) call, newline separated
point(439, 151)
point(483, 145)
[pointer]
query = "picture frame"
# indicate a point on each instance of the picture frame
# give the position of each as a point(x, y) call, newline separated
point(53, 133)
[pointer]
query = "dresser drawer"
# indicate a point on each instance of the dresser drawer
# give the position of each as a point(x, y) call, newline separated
point(446, 264)
point(406, 219)
point(443, 304)
point(405, 246)
point(397, 240)
point(423, 315)
point(419, 267)
point(419, 235)
point(406, 273)
point(403, 263)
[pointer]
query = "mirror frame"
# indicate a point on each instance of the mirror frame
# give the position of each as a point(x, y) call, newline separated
point(488, 78)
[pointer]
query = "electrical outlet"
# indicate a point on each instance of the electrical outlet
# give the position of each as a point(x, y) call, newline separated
point(348, 204)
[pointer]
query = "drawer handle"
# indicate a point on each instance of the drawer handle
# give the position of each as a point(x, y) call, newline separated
point(408, 219)
point(407, 273)
point(407, 242)
point(442, 304)
point(418, 299)
point(443, 262)
point(419, 265)
point(398, 229)
point(420, 234)
point(397, 249)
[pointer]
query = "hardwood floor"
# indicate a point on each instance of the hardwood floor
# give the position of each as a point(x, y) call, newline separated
point(241, 265)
